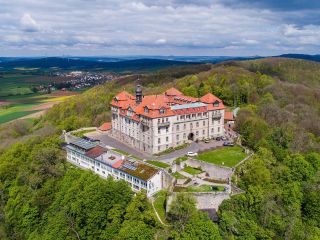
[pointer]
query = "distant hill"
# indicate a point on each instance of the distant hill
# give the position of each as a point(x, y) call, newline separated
point(301, 56)
point(81, 64)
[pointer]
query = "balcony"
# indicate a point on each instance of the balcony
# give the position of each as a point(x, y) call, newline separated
point(163, 124)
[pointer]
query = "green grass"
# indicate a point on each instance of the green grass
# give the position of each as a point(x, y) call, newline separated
point(82, 133)
point(191, 170)
point(178, 175)
point(158, 164)
point(201, 188)
point(14, 115)
point(227, 156)
point(160, 204)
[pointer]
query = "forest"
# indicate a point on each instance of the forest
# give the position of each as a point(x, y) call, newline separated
point(43, 197)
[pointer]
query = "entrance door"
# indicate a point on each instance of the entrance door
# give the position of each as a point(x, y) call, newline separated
point(191, 136)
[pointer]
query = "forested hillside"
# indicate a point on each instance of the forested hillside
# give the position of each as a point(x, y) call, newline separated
point(42, 196)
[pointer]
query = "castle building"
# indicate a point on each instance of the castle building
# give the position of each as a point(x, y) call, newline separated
point(155, 123)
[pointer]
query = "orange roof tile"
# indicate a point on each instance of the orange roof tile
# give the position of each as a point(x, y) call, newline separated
point(173, 92)
point(117, 164)
point(209, 98)
point(228, 116)
point(105, 127)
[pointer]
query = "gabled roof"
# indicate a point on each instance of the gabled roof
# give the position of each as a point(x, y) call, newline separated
point(209, 98)
point(123, 96)
point(228, 116)
point(95, 152)
point(173, 92)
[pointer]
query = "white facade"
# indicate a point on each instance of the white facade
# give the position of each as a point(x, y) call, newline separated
point(101, 167)
point(156, 134)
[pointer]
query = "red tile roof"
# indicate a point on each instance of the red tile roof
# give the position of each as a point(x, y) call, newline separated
point(228, 116)
point(117, 164)
point(150, 105)
point(209, 98)
point(173, 92)
point(95, 152)
point(105, 127)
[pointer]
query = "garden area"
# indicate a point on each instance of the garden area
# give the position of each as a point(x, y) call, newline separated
point(191, 170)
point(226, 156)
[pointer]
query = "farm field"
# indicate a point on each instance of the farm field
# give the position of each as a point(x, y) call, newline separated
point(227, 156)
point(33, 105)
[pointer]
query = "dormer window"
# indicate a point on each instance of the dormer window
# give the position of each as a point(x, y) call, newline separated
point(216, 104)
point(146, 109)
point(116, 99)
point(162, 111)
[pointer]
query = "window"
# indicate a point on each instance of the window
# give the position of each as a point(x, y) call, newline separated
point(203, 132)
point(158, 120)
point(184, 126)
point(162, 111)
point(199, 114)
point(193, 115)
point(184, 136)
point(197, 133)
point(177, 136)
point(216, 104)
point(159, 130)
point(167, 129)
point(167, 139)
point(191, 125)
point(204, 123)
point(197, 124)
point(177, 127)
point(218, 129)
point(146, 109)
point(159, 140)
point(212, 130)
point(159, 148)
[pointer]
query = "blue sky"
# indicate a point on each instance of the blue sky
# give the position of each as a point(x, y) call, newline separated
point(167, 27)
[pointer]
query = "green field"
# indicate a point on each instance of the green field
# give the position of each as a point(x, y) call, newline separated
point(158, 164)
point(15, 84)
point(191, 170)
point(227, 156)
point(178, 175)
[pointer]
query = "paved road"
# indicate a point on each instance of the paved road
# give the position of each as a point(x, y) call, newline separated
point(105, 139)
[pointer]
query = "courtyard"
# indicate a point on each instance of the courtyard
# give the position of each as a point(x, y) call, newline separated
point(226, 156)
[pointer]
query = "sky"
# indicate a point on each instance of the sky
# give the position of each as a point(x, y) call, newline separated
point(154, 27)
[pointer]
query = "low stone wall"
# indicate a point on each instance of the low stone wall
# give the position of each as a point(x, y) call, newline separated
point(214, 171)
point(206, 201)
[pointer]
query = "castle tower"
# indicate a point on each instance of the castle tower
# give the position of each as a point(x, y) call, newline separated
point(138, 94)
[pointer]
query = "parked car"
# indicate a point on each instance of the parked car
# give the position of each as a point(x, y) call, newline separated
point(218, 138)
point(230, 144)
point(223, 138)
point(192, 154)
point(206, 140)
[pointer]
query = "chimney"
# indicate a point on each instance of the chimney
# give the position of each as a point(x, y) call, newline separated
point(138, 94)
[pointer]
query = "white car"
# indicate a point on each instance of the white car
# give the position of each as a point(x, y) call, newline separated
point(192, 154)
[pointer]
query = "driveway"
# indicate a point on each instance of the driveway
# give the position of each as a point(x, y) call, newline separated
point(106, 140)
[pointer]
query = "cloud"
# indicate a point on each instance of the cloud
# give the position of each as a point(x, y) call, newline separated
point(28, 24)
point(164, 27)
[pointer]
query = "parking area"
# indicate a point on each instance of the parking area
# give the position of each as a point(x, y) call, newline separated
point(107, 140)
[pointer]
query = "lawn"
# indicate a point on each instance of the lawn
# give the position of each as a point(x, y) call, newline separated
point(160, 204)
point(158, 164)
point(178, 175)
point(201, 188)
point(191, 170)
point(227, 156)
